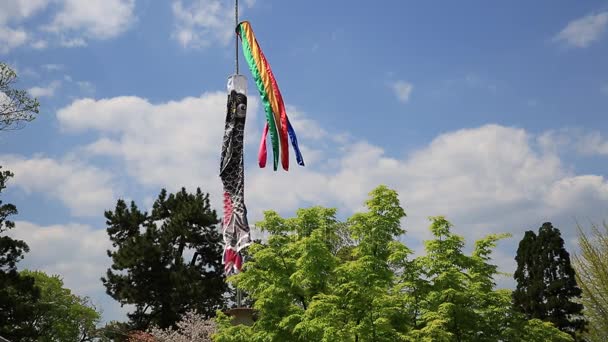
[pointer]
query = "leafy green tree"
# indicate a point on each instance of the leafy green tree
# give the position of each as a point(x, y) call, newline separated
point(459, 301)
point(18, 295)
point(167, 262)
point(537, 330)
point(591, 265)
point(310, 282)
point(16, 106)
point(114, 331)
point(60, 314)
point(356, 291)
point(546, 282)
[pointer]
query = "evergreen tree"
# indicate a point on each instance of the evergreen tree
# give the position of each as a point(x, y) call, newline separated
point(529, 291)
point(546, 282)
point(18, 295)
point(167, 262)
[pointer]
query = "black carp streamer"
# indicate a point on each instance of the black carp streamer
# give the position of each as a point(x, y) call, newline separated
point(235, 227)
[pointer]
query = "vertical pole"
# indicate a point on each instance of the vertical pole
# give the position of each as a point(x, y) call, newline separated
point(236, 37)
point(236, 64)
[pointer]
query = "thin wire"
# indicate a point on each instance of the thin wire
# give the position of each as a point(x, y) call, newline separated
point(236, 36)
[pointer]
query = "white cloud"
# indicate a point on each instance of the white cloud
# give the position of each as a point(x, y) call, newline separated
point(307, 128)
point(73, 22)
point(584, 31)
point(480, 175)
point(53, 67)
point(15, 11)
point(40, 44)
point(10, 38)
point(86, 87)
point(72, 42)
point(84, 189)
point(74, 251)
point(47, 91)
point(494, 177)
point(402, 90)
point(586, 143)
point(200, 23)
point(169, 144)
point(578, 191)
point(22, 71)
point(99, 19)
point(177, 143)
point(593, 144)
point(486, 179)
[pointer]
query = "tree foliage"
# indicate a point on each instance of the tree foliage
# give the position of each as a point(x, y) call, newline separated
point(114, 331)
point(16, 106)
point(310, 283)
point(61, 315)
point(166, 262)
point(591, 265)
point(546, 282)
point(18, 295)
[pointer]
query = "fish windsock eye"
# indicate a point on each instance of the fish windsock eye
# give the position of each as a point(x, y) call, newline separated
point(241, 109)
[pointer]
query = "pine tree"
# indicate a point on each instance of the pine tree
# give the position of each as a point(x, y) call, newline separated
point(546, 282)
point(528, 294)
point(18, 295)
point(167, 262)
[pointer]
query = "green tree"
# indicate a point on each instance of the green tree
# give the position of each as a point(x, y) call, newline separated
point(60, 314)
point(455, 295)
point(16, 106)
point(114, 331)
point(310, 282)
point(546, 282)
point(358, 290)
point(591, 265)
point(459, 301)
point(18, 295)
point(167, 262)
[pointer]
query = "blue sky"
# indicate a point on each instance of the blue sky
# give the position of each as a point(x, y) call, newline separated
point(490, 114)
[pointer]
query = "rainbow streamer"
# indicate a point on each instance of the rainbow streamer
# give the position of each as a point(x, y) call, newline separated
point(277, 122)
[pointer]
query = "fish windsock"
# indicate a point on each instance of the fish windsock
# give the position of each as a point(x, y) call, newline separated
point(235, 227)
point(277, 122)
